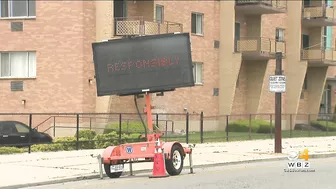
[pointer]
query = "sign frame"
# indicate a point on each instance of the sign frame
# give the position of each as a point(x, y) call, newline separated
point(278, 82)
point(155, 80)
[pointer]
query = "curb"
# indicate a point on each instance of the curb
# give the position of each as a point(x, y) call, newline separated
point(96, 176)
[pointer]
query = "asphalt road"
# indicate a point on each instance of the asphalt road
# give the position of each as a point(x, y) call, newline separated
point(264, 175)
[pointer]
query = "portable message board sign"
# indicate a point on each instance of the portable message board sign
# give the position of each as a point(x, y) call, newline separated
point(143, 64)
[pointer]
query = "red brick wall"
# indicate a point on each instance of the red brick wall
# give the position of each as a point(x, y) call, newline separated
point(198, 98)
point(58, 36)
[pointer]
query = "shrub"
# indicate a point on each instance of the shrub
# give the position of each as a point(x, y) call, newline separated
point(88, 140)
point(135, 137)
point(334, 115)
point(47, 147)
point(87, 134)
point(266, 128)
point(67, 143)
point(105, 140)
point(64, 144)
point(11, 150)
point(322, 125)
point(128, 127)
point(257, 126)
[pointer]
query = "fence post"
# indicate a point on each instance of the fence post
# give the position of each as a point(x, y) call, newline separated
point(327, 126)
point(187, 128)
point(291, 125)
point(54, 126)
point(250, 117)
point(90, 123)
point(201, 129)
point(127, 127)
point(271, 125)
point(166, 131)
point(30, 133)
point(173, 127)
point(157, 120)
point(77, 131)
point(227, 127)
point(120, 128)
point(309, 124)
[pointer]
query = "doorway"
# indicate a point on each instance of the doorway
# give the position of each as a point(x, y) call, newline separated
point(306, 3)
point(305, 41)
point(119, 12)
point(325, 106)
point(120, 9)
point(237, 36)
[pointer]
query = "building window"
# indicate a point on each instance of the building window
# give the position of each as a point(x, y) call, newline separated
point(17, 8)
point(197, 23)
point(17, 64)
point(159, 13)
point(280, 35)
point(198, 72)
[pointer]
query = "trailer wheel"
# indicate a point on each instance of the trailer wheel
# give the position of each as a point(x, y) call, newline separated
point(174, 165)
point(107, 168)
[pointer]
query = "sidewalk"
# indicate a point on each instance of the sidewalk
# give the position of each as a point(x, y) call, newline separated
point(26, 169)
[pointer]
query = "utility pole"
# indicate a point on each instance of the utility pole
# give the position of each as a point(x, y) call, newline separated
point(278, 104)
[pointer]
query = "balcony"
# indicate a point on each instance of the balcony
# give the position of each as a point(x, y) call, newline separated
point(259, 7)
point(318, 16)
point(319, 57)
point(259, 48)
point(138, 26)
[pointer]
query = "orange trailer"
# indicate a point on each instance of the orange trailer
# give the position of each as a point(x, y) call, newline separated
point(114, 157)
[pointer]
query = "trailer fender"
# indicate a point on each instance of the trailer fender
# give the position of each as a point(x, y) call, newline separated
point(108, 152)
point(167, 146)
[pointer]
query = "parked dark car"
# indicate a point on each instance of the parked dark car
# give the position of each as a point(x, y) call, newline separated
point(14, 133)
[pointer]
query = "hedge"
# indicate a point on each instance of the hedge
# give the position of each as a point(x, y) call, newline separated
point(128, 127)
point(257, 126)
point(87, 140)
point(11, 150)
point(322, 125)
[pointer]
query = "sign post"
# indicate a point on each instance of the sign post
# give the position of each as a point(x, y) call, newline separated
point(277, 84)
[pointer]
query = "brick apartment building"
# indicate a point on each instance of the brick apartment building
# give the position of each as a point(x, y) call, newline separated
point(46, 55)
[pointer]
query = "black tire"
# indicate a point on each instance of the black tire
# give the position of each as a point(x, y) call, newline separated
point(172, 167)
point(107, 169)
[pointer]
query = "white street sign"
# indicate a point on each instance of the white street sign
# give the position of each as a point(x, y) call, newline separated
point(277, 83)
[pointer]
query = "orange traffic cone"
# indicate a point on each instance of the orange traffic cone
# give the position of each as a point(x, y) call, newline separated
point(159, 168)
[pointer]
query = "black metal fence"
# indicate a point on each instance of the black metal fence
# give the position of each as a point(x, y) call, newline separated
point(75, 131)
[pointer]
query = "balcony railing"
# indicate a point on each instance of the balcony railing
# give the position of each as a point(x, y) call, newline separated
point(272, 4)
point(320, 11)
point(138, 26)
point(319, 55)
point(260, 45)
